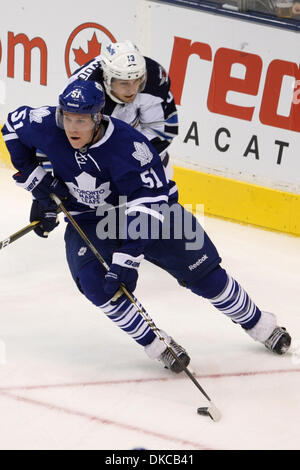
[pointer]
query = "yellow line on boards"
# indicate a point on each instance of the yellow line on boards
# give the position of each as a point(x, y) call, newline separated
point(240, 201)
point(227, 198)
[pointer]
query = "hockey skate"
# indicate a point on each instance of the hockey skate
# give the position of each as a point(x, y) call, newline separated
point(279, 341)
point(158, 350)
point(275, 338)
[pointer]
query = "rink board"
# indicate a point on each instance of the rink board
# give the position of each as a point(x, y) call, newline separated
point(240, 201)
point(228, 198)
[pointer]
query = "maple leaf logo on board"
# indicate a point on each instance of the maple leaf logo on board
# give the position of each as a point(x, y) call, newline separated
point(84, 43)
point(94, 49)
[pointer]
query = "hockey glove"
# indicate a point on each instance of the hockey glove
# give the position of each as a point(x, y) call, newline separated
point(47, 217)
point(41, 184)
point(124, 269)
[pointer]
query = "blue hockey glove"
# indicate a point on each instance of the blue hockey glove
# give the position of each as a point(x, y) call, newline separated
point(124, 269)
point(41, 184)
point(48, 218)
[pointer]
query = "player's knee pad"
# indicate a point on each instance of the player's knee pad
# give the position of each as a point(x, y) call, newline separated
point(91, 278)
point(211, 285)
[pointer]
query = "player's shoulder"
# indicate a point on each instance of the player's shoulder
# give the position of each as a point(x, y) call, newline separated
point(126, 149)
point(119, 124)
point(120, 138)
point(117, 133)
point(130, 141)
point(124, 131)
point(30, 125)
point(42, 114)
point(157, 77)
point(26, 116)
point(91, 70)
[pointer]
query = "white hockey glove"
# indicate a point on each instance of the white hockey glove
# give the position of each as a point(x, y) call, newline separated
point(123, 270)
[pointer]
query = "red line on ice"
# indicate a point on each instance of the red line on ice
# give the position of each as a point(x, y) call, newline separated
point(8, 392)
point(145, 380)
point(98, 419)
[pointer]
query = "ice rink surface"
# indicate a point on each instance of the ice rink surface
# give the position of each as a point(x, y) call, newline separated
point(70, 379)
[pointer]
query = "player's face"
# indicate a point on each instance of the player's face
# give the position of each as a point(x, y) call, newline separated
point(125, 90)
point(79, 128)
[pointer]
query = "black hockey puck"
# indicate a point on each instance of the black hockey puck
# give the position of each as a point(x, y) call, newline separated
point(211, 411)
point(203, 411)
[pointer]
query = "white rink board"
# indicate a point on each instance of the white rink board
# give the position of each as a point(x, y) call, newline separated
point(265, 45)
point(56, 31)
point(260, 149)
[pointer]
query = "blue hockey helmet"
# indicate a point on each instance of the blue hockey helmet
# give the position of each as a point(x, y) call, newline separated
point(82, 97)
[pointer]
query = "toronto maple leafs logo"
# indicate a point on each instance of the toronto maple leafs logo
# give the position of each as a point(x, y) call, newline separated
point(38, 114)
point(111, 49)
point(86, 191)
point(142, 153)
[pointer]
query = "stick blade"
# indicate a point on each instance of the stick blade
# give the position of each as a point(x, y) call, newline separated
point(213, 412)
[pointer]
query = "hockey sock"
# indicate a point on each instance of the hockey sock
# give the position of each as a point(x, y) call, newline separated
point(127, 317)
point(121, 311)
point(228, 296)
point(236, 304)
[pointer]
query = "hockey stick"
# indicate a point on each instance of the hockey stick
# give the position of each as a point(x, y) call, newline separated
point(15, 236)
point(20, 233)
point(211, 410)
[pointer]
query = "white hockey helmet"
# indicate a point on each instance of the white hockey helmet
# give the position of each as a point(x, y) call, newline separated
point(122, 60)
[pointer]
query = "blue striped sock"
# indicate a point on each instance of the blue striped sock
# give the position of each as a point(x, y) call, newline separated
point(234, 302)
point(127, 317)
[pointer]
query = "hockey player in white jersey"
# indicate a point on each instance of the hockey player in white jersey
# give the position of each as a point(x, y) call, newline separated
point(137, 91)
point(101, 164)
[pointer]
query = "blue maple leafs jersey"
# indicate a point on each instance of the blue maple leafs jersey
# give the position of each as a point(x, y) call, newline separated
point(122, 163)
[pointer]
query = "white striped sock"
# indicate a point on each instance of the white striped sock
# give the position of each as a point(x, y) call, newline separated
point(234, 302)
point(127, 317)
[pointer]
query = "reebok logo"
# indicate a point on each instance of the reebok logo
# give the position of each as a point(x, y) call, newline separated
point(198, 262)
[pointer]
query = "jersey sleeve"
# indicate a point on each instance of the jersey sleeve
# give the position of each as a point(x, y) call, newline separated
point(17, 137)
point(141, 179)
point(90, 71)
point(158, 112)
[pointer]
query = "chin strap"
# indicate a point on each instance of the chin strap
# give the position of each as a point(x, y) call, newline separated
point(98, 127)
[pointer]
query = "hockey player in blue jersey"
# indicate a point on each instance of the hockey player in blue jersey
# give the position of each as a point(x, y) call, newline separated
point(137, 91)
point(102, 166)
